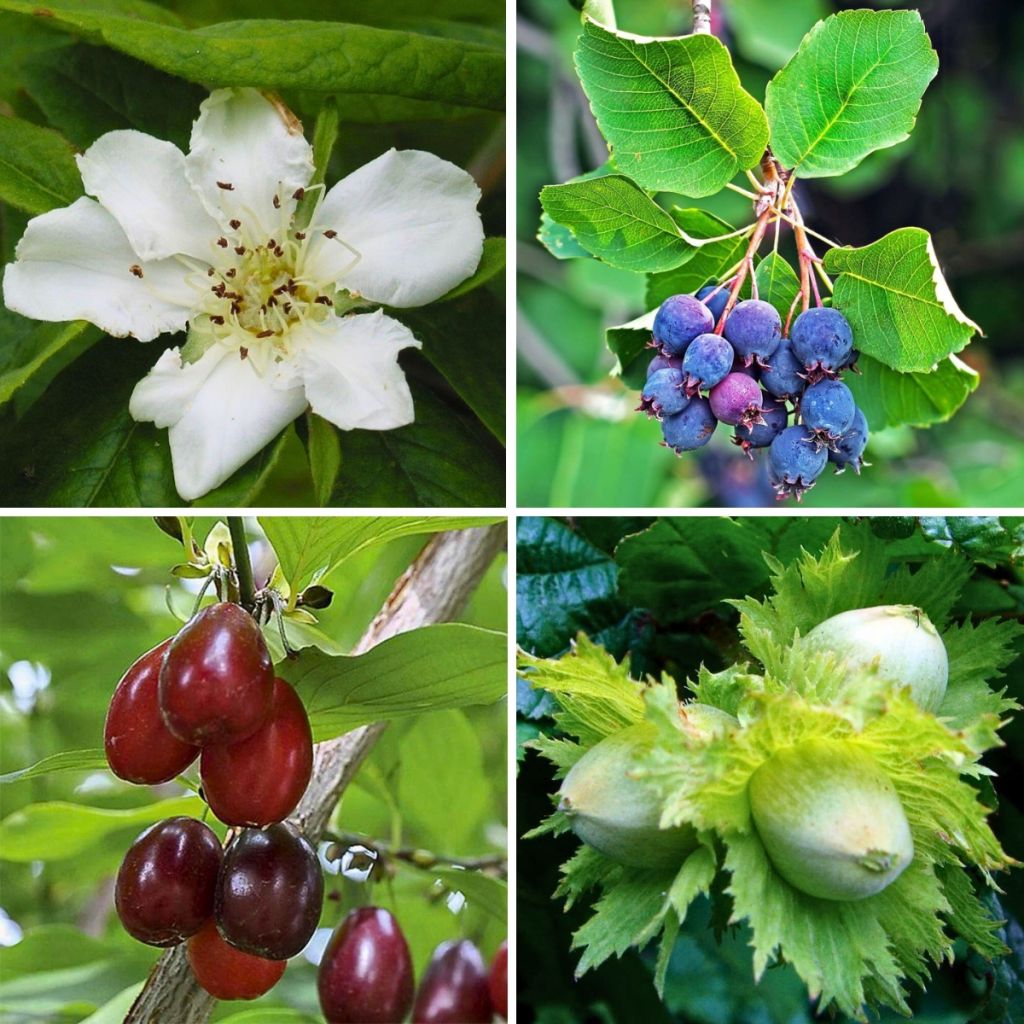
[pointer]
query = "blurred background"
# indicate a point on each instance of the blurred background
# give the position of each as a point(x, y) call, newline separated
point(960, 176)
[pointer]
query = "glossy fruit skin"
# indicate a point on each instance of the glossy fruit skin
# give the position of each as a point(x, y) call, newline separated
point(226, 972)
point(830, 820)
point(828, 409)
point(217, 681)
point(497, 980)
point(737, 399)
point(708, 359)
point(896, 641)
point(822, 340)
point(660, 362)
point(366, 974)
point(794, 461)
point(692, 428)
point(616, 814)
point(760, 435)
point(166, 884)
point(259, 780)
point(849, 449)
point(754, 329)
point(270, 892)
point(663, 393)
point(139, 746)
point(680, 318)
point(454, 988)
point(716, 304)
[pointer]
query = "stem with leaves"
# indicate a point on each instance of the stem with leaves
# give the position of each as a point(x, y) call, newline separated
point(433, 589)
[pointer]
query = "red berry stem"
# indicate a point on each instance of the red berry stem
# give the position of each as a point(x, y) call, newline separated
point(243, 567)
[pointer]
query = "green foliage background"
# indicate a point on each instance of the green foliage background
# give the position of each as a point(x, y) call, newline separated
point(581, 445)
point(71, 71)
point(82, 598)
point(654, 589)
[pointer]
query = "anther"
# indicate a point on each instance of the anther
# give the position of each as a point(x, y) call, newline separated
point(277, 201)
point(218, 320)
point(236, 224)
point(265, 334)
point(300, 235)
point(222, 242)
point(271, 244)
point(298, 193)
point(209, 273)
point(226, 185)
point(323, 300)
point(330, 233)
point(279, 252)
point(136, 269)
point(243, 352)
point(231, 272)
point(240, 249)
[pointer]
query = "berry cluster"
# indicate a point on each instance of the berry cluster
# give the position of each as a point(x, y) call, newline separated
point(366, 975)
point(210, 692)
point(755, 380)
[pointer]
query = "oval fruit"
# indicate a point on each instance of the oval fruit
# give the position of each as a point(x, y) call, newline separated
point(226, 972)
point(217, 681)
point(166, 884)
point(259, 780)
point(270, 892)
point(896, 640)
point(139, 746)
point(830, 820)
point(454, 988)
point(616, 814)
point(497, 980)
point(366, 972)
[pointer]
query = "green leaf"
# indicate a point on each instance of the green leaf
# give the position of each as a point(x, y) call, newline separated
point(777, 283)
point(65, 761)
point(854, 86)
point(312, 547)
point(350, 59)
point(891, 399)
point(709, 263)
point(450, 665)
point(492, 263)
point(897, 301)
point(488, 894)
point(618, 222)
point(672, 110)
point(324, 456)
point(447, 459)
point(57, 830)
point(37, 167)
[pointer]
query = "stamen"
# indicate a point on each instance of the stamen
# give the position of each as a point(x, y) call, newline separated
point(330, 233)
point(222, 242)
point(136, 269)
point(265, 334)
point(226, 185)
point(277, 201)
point(240, 249)
point(218, 320)
point(298, 194)
point(231, 272)
point(235, 224)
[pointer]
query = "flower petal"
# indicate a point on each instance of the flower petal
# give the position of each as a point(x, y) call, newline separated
point(412, 218)
point(256, 147)
point(352, 374)
point(75, 263)
point(141, 181)
point(220, 414)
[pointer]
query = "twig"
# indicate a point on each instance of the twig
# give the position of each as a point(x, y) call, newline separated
point(433, 589)
point(702, 17)
point(494, 863)
point(243, 567)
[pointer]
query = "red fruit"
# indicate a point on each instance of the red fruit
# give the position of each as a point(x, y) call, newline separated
point(366, 971)
point(217, 681)
point(270, 892)
point(454, 989)
point(259, 780)
point(497, 981)
point(226, 972)
point(166, 884)
point(140, 748)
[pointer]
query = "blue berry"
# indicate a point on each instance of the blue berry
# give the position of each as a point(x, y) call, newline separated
point(663, 393)
point(849, 449)
point(760, 435)
point(754, 328)
point(708, 359)
point(822, 341)
point(827, 409)
point(737, 399)
point(691, 428)
point(795, 462)
point(660, 362)
point(680, 318)
point(717, 304)
point(784, 378)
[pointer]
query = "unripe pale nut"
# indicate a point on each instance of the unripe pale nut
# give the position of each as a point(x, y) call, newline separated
point(616, 813)
point(830, 820)
point(898, 641)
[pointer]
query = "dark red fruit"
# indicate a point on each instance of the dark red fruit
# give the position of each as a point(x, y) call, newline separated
point(217, 681)
point(366, 971)
point(269, 892)
point(497, 980)
point(140, 748)
point(167, 881)
point(259, 780)
point(454, 989)
point(226, 972)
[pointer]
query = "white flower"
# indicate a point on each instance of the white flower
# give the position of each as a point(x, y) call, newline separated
point(208, 241)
